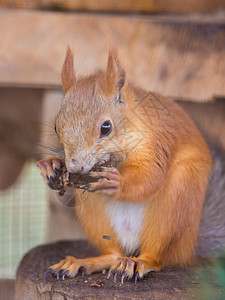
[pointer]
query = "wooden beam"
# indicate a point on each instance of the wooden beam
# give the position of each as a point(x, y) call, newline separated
point(181, 57)
point(131, 6)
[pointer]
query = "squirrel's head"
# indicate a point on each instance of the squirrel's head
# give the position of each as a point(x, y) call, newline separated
point(90, 122)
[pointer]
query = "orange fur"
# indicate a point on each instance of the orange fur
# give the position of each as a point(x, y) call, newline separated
point(166, 168)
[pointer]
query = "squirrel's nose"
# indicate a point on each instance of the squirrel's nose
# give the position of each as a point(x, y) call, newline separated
point(73, 166)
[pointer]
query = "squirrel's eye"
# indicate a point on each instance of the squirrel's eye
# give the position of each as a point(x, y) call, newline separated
point(106, 128)
point(55, 128)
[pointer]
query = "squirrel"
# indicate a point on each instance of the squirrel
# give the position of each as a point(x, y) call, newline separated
point(144, 212)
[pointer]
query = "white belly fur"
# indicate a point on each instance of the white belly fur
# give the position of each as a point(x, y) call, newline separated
point(126, 219)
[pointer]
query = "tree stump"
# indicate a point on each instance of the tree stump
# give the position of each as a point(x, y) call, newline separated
point(172, 283)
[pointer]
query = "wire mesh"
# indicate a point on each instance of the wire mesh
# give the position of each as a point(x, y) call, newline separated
point(23, 210)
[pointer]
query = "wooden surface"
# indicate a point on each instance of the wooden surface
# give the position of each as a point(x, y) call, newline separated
point(169, 284)
point(144, 6)
point(7, 289)
point(182, 57)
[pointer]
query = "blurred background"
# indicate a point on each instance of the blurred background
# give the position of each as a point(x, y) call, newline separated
point(173, 47)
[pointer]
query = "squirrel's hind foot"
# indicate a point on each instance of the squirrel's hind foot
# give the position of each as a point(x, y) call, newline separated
point(130, 267)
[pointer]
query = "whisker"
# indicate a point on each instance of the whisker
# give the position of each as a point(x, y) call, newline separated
point(45, 130)
point(129, 132)
point(117, 151)
point(83, 200)
point(52, 148)
point(48, 134)
point(93, 210)
point(71, 197)
point(42, 153)
point(48, 124)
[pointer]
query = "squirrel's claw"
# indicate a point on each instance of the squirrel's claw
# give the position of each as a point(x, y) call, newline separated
point(122, 277)
point(57, 165)
point(115, 276)
point(137, 276)
point(127, 267)
point(58, 274)
point(46, 273)
point(64, 274)
point(50, 182)
point(67, 267)
point(50, 169)
point(109, 273)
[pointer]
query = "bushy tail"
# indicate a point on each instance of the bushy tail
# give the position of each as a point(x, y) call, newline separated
point(211, 238)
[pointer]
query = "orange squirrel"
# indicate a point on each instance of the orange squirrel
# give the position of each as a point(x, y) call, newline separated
point(150, 202)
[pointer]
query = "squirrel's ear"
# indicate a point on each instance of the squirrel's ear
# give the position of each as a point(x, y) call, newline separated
point(115, 74)
point(68, 73)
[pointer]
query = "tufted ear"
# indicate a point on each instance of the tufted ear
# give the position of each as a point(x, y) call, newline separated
point(115, 74)
point(68, 73)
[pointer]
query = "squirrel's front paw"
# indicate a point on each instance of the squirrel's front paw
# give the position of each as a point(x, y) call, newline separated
point(50, 169)
point(108, 181)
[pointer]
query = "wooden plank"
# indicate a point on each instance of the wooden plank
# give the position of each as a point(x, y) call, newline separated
point(181, 57)
point(143, 6)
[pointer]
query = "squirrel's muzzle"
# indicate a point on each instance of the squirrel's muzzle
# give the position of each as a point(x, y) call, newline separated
point(74, 166)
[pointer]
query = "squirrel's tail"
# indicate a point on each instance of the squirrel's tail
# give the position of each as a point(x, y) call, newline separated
point(211, 238)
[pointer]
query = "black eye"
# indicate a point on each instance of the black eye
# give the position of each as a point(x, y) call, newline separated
point(106, 128)
point(55, 128)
